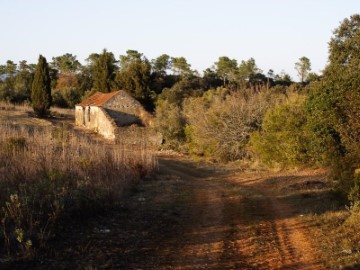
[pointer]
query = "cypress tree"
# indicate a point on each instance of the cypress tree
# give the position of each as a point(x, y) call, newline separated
point(41, 88)
point(104, 72)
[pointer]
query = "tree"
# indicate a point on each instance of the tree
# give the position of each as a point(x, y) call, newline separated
point(161, 64)
point(10, 68)
point(159, 77)
point(249, 72)
point(130, 57)
point(271, 74)
point(23, 82)
point(344, 46)
point(84, 78)
point(342, 77)
point(283, 79)
point(41, 89)
point(66, 63)
point(270, 78)
point(134, 76)
point(339, 92)
point(303, 67)
point(226, 69)
point(66, 92)
point(211, 79)
point(335, 101)
point(180, 66)
point(103, 71)
point(8, 71)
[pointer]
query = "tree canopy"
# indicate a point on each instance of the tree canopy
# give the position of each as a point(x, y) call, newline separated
point(161, 64)
point(226, 69)
point(66, 63)
point(180, 66)
point(134, 75)
point(334, 104)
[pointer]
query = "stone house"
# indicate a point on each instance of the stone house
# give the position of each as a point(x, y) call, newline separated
point(107, 113)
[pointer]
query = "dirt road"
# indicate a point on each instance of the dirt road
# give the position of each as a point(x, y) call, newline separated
point(192, 217)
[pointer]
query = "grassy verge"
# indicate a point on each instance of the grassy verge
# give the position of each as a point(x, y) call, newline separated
point(337, 235)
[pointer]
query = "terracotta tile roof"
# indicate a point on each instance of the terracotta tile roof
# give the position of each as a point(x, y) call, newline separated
point(98, 99)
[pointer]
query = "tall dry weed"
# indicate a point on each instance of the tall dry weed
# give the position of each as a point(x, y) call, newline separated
point(50, 175)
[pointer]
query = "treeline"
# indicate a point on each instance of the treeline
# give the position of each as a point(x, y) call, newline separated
point(144, 79)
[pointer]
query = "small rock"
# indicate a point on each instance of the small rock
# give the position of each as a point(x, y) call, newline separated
point(347, 251)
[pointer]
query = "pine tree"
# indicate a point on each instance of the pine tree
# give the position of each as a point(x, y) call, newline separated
point(41, 88)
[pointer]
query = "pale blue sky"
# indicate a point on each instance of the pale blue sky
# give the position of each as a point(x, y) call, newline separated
point(274, 32)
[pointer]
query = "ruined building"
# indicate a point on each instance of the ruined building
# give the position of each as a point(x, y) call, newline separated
point(110, 113)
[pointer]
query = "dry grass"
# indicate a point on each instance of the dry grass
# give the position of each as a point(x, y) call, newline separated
point(19, 114)
point(63, 112)
point(49, 176)
point(7, 106)
point(337, 234)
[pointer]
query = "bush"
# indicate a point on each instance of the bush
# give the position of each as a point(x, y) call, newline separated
point(170, 123)
point(283, 140)
point(344, 176)
point(227, 120)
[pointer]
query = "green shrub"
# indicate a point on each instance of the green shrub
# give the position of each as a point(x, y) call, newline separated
point(170, 122)
point(283, 140)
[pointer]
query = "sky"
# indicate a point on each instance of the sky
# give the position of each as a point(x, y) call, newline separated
point(276, 33)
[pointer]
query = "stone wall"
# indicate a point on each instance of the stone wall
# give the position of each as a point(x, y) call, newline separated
point(124, 119)
point(126, 104)
point(96, 119)
point(141, 136)
point(79, 116)
point(106, 126)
